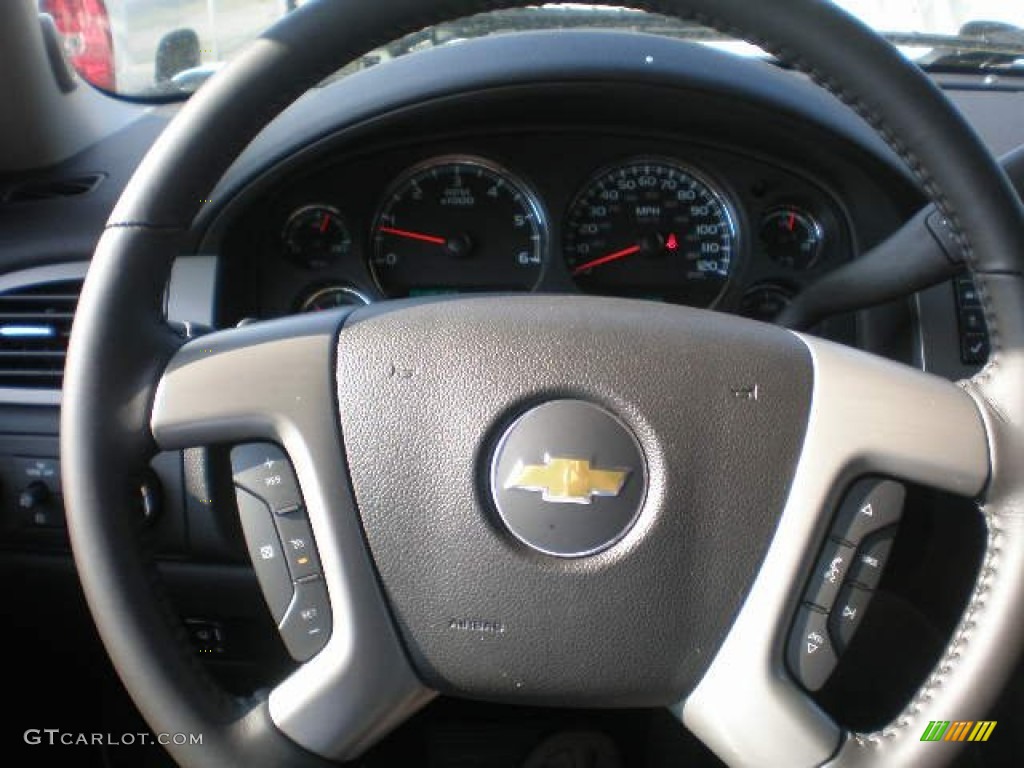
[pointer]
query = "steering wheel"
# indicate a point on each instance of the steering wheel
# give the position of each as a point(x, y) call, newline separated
point(736, 438)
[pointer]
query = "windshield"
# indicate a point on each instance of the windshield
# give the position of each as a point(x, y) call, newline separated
point(168, 48)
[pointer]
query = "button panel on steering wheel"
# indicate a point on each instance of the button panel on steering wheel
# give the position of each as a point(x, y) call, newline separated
point(280, 544)
point(842, 584)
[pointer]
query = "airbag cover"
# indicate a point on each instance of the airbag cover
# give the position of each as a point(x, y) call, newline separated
point(718, 406)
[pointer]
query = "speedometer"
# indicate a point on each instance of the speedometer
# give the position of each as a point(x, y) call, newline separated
point(651, 228)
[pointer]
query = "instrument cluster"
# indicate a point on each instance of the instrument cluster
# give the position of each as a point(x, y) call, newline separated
point(665, 225)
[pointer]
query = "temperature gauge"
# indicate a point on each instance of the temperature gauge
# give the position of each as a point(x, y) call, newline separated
point(316, 236)
point(791, 237)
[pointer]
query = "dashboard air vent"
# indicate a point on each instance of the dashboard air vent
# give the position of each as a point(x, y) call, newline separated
point(50, 189)
point(35, 323)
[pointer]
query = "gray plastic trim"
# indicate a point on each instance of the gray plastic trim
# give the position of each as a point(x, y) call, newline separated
point(51, 273)
point(276, 381)
point(192, 291)
point(63, 73)
point(867, 415)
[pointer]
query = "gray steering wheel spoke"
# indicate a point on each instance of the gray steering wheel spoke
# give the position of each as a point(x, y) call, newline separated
point(275, 382)
point(270, 381)
point(868, 416)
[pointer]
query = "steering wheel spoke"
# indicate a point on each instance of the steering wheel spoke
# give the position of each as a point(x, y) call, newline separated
point(868, 417)
point(274, 382)
point(262, 381)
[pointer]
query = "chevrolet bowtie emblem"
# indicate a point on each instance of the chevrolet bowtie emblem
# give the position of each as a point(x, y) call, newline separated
point(566, 481)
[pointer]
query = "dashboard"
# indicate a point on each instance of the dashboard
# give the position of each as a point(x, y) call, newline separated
point(662, 187)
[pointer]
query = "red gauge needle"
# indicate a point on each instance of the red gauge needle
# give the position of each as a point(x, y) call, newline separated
point(414, 235)
point(606, 259)
point(324, 223)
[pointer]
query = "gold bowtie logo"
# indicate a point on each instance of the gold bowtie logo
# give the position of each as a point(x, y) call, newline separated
point(566, 481)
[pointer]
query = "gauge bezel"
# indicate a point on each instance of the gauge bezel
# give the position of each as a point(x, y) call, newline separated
point(304, 302)
point(530, 199)
point(809, 217)
point(711, 182)
point(296, 213)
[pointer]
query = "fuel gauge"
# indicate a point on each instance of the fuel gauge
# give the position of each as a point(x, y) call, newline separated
point(791, 237)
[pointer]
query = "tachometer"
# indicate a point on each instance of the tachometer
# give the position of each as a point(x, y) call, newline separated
point(651, 228)
point(458, 224)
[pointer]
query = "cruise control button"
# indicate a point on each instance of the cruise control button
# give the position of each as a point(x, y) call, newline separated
point(848, 614)
point(299, 548)
point(264, 470)
point(810, 654)
point(868, 507)
point(829, 574)
point(307, 625)
point(870, 560)
point(265, 551)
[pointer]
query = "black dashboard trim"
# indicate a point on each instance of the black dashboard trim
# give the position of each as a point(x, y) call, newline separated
point(329, 114)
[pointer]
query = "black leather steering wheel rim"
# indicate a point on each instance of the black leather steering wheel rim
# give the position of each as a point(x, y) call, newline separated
point(120, 344)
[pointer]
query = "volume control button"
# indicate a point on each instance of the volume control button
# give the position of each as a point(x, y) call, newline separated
point(264, 470)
